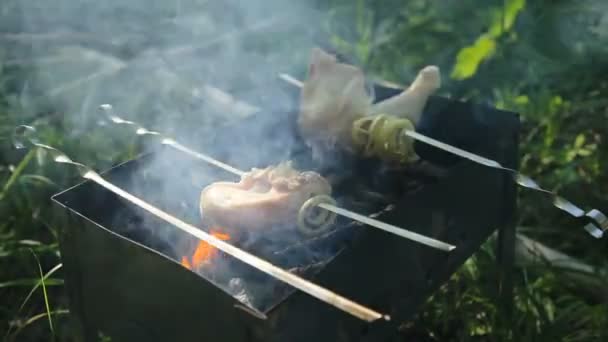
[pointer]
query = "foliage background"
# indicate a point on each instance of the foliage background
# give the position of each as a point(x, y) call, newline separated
point(547, 60)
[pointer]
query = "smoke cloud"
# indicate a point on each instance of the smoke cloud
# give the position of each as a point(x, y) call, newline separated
point(166, 63)
point(188, 69)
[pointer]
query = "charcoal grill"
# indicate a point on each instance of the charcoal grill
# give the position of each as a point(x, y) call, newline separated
point(123, 271)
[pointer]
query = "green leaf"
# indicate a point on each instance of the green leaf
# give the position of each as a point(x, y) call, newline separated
point(522, 100)
point(584, 152)
point(556, 103)
point(469, 58)
point(506, 18)
point(579, 141)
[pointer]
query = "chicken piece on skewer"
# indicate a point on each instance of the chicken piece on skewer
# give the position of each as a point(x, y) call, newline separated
point(332, 98)
point(262, 199)
point(410, 103)
point(334, 101)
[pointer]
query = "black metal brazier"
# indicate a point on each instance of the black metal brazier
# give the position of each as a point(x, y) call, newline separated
point(122, 266)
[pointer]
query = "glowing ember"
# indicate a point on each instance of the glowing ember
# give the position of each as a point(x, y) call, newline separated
point(186, 263)
point(204, 252)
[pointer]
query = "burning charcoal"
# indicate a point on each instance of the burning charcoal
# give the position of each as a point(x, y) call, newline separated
point(204, 254)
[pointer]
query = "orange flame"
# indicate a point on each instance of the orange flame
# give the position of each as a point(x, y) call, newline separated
point(204, 252)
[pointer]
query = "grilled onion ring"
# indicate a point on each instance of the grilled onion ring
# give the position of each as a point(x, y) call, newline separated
point(312, 220)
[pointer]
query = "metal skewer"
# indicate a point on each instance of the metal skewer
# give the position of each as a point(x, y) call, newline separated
point(302, 284)
point(596, 229)
point(340, 211)
point(290, 79)
point(327, 206)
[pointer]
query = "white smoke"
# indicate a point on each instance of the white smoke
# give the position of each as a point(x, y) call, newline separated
point(184, 68)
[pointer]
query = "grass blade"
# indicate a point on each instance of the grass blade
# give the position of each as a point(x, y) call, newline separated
point(18, 170)
point(46, 297)
point(30, 282)
point(38, 180)
point(37, 317)
point(40, 281)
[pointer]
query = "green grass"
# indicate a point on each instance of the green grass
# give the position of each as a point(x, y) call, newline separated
point(559, 90)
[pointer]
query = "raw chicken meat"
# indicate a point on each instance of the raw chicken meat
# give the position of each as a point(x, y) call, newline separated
point(264, 198)
point(334, 96)
point(411, 102)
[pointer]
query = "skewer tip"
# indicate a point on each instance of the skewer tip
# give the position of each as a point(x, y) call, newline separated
point(290, 79)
